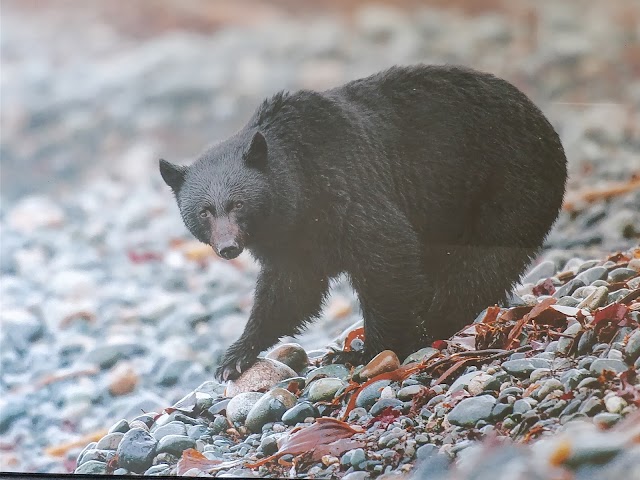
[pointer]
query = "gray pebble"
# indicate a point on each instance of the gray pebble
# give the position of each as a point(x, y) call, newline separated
point(592, 274)
point(136, 450)
point(175, 444)
point(324, 389)
point(92, 467)
point(298, 413)
point(523, 367)
point(371, 393)
point(601, 364)
point(110, 441)
point(171, 428)
point(471, 410)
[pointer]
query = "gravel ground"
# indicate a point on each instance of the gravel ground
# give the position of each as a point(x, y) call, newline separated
point(109, 309)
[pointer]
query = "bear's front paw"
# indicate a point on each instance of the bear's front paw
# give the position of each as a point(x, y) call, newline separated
point(234, 363)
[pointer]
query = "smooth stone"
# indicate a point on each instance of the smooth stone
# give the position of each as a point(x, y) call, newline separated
point(565, 343)
point(617, 295)
point(592, 274)
point(175, 444)
point(333, 371)
point(301, 381)
point(471, 410)
point(383, 403)
point(568, 302)
point(632, 349)
point(421, 355)
point(92, 467)
point(219, 407)
point(591, 451)
point(521, 407)
point(159, 470)
point(587, 339)
point(587, 265)
point(269, 408)
point(357, 457)
point(463, 381)
point(263, 374)
point(595, 299)
point(615, 404)
point(539, 374)
point(601, 364)
point(269, 445)
point(385, 361)
point(541, 271)
point(121, 426)
point(622, 274)
point(136, 450)
point(501, 410)
point(591, 406)
point(291, 354)
point(371, 394)
point(606, 419)
point(523, 367)
point(171, 428)
point(549, 386)
point(568, 288)
point(240, 405)
point(408, 392)
point(324, 389)
point(110, 441)
point(298, 413)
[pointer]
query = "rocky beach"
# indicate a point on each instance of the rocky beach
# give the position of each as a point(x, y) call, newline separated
point(114, 319)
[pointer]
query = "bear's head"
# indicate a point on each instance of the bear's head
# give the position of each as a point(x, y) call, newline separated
point(224, 197)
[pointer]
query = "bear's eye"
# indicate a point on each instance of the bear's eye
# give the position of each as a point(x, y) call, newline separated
point(238, 205)
point(204, 213)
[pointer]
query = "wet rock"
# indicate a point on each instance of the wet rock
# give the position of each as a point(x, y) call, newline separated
point(298, 413)
point(270, 408)
point(540, 272)
point(632, 349)
point(240, 405)
point(136, 450)
point(383, 403)
point(523, 367)
point(595, 299)
point(291, 354)
point(471, 410)
point(92, 467)
point(622, 274)
point(421, 355)
point(110, 441)
point(601, 364)
point(371, 394)
point(324, 389)
point(171, 428)
point(385, 361)
point(592, 274)
point(175, 444)
point(263, 374)
point(568, 288)
point(333, 371)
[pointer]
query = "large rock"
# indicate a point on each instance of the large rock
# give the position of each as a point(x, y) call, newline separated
point(263, 374)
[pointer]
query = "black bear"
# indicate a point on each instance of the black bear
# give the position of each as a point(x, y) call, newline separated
point(431, 187)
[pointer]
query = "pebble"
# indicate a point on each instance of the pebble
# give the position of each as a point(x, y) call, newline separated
point(385, 361)
point(523, 367)
point(601, 364)
point(595, 299)
point(136, 450)
point(298, 413)
point(269, 408)
point(632, 349)
point(324, 389)
point(240, 405)
point(291, 354)
point(540, 272)
point(471, 410)
point(263, 374)
point(175, 444)
point(592, 274)
point(371, 393)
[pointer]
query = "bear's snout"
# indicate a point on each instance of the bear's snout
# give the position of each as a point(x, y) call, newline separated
point(229, 250)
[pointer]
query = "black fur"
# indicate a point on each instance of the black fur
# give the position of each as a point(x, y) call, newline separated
point(431, 187)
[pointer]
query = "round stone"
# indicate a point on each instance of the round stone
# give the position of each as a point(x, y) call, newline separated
point(291, 354)
point(136, 450)
point(471, 410)
point(324, 389)
point(371, 394)
point(263, 374)
point(601, 364)
point(240, 405)
point(385, 361)
point(270, 408)
point(298, 413)
point(175, 444)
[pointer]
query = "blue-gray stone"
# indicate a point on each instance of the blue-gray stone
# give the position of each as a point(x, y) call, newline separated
point(175, 444)
point(383, 403)
point(371, 393)
point(601, 364)
point(298, 413)
point(110, 441)
point(592, 274)
point(171, 428)
point(136, 450)
point(92, 467)
point(471, 410)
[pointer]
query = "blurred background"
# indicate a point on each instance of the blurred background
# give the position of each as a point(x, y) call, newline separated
point(108, 306)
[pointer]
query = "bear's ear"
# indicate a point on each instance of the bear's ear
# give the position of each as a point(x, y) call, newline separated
point(173, 175)
point(256, 156)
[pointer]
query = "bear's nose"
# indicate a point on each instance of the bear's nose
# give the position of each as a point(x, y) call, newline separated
point(230, 251)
